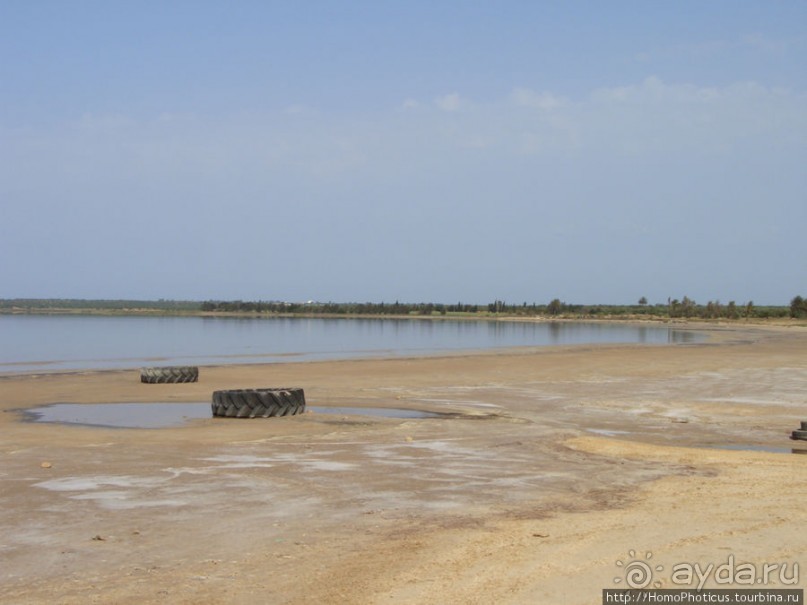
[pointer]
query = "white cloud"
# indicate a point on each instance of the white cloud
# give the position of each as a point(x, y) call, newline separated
point(449, 102)
point(700, 169)
point(546, 101)
point(649, 119)
point(662, 116)
point(761, 43)
point(652, 89)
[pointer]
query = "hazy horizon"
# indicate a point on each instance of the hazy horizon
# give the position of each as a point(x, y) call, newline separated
point(482, 304)
point(435, 152)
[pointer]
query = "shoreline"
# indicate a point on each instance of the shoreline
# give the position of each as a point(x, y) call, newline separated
point(558, 461)
point(643, 333)
point(450, 316)
point(711, 331)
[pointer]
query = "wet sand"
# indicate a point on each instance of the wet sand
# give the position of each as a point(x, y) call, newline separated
point(549, 467)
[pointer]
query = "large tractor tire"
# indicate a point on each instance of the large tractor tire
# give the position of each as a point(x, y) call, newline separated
point(169, 374)
point(258, 403)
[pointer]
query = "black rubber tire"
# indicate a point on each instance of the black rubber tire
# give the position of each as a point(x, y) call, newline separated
point(799, 435)
point(258, 403)
point(169, 374)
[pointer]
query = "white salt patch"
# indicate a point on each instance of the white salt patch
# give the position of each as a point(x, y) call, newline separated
point(242, 461)
point(477, 404)
point(74, 484)
point(102, 495)
point(127, 504)
point(326, 465)
point(176, 472)
point(608, 433)
point(244, 465)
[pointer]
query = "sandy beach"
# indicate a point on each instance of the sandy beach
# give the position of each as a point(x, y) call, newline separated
point(548, 471)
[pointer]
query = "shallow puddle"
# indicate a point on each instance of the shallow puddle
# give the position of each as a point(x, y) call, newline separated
point(162, 415)
point(761, 448)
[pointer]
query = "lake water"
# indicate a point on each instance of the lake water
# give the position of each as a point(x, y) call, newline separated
point(33, 343)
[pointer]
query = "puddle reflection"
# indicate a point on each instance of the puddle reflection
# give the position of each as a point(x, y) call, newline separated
point(163, 415)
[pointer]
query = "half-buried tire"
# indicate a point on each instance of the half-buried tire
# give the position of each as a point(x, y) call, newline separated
point(258, 403)
point(170, 374)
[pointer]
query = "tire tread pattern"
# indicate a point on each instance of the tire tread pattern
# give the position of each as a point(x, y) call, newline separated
point(258, 403)
point(171, 374)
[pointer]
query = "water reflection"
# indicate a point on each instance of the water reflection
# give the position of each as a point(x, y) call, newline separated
point(31, 343)
point(161, 414)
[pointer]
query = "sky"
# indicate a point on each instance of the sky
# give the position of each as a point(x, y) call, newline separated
point(420, 151)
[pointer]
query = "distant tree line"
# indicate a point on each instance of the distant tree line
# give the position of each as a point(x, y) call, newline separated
point(685, 308)
point(78, 304)
point(332, 308)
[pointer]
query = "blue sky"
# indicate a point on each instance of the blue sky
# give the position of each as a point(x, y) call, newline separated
point(418, 151)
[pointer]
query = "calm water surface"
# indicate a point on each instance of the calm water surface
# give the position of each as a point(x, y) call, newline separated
point(160, 415)
point(67, 342)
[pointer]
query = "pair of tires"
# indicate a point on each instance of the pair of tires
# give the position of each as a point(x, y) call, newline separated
point(168, 375)
point(258, 403)
point(801, 434)
point(238, 403)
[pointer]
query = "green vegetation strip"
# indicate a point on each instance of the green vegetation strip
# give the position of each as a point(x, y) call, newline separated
point(672, 309)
